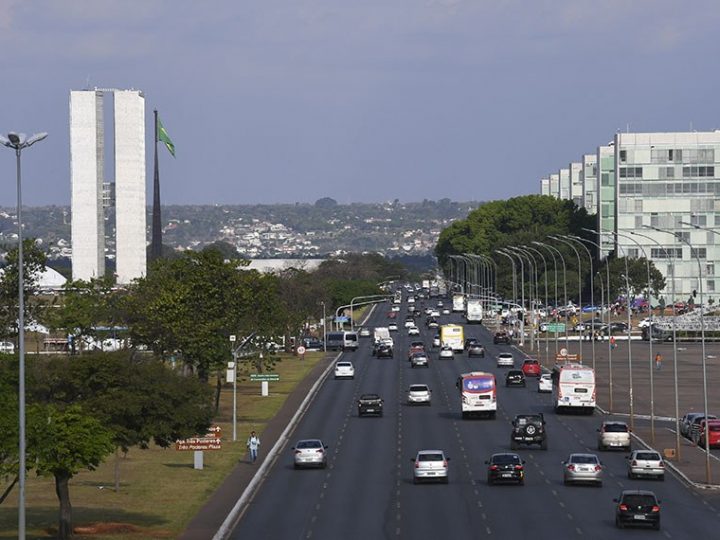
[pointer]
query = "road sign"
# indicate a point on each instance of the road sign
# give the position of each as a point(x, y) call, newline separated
point(342, 319)
point(259, 377)
point(563, 352)
point(233, 337)
point(211, 441)
point(301, 350)
point(556, 327)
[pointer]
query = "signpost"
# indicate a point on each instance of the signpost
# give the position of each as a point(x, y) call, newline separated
point(301, 351)
point(556, 328)
point(274, 377)
point(211, 441)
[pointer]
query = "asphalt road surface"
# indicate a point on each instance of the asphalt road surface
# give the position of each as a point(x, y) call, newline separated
point(367, 491)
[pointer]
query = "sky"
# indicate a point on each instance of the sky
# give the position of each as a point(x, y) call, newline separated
point(271, 101)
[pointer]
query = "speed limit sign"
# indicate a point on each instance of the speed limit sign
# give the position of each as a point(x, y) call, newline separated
point(301, 350)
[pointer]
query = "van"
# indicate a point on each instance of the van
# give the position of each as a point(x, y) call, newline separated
point(350, 341)
point(7, 347)
point(335, 341)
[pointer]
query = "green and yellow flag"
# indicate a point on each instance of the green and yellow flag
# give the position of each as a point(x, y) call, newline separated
point(164, 137)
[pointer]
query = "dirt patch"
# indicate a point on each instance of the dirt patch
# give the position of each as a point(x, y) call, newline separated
point(118, 528)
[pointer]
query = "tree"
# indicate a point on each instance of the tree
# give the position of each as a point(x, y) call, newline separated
point(637, 277)
point(325, 202)
point(227, 250)
point(61, 443)
point(84, 307)
point(34, 260)
point(188, 307)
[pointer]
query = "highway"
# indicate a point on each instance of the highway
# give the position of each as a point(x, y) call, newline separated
point(367, 489)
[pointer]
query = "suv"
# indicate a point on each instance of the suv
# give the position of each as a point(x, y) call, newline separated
point(370, 404)
point(528, 429)
point(384, 351)
point(515, 377)
point(614, 435)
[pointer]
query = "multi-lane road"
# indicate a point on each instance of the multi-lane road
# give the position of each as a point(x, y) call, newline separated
point(367, 490)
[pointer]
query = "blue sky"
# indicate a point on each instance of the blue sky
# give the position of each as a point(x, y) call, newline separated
point(283, 101)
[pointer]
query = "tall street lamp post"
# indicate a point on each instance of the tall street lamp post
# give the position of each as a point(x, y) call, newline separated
point(592, 292)
point(702, 337)
point(555, 301)
point(674, 329)
point(577, 253)
point(547, 351)
point(18, 142)
point(564, 267)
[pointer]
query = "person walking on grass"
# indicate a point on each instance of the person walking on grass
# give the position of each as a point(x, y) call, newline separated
point(253, 443)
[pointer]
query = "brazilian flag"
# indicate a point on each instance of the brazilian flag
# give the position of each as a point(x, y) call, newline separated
point(164, 137)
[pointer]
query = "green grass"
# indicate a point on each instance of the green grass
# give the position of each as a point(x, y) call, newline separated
point(160, 491)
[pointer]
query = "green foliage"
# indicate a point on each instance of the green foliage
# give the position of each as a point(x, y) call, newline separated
point(637, 274)
point(227, 250)
point(34, 260)
point(188, 307)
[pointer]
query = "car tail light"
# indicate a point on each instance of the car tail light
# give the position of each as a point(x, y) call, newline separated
point(320, 450)
point(571, 467)
point(662, 464)
point(634, 463)
point(298, 452)
point(655, 508)
point(624, 507)
point(598, 468)
point(493, 467)
point(445, 463)
point(417, 464)
point(518, 467)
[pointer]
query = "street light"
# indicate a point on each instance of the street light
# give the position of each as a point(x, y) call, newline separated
point(18, 142)
point(577, 253)
point(324, 325)
point(552, 249)
point(674, 329)
point(592, 292)
point(542, 257)
point(702, 338)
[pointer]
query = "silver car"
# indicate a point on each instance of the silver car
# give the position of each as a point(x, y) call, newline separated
point(447, 352)
point(310, 453)
point(545, 383)
point(582, 468)
point(505, 360)
point(430, 465)
point(419, 394)
point(614, 434)
point(644, 463)
point(344, 370)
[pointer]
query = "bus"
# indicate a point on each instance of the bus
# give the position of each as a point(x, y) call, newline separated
point(458, 303)
point(474, 311)
point(478, 394)
point(452, 335)
point(574, 388)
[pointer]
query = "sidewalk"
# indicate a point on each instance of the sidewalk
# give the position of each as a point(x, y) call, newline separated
point(657, 399)
point(208, 520)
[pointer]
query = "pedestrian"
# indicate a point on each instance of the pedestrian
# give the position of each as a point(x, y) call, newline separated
point(253, 443)
point(613, 345)
point(658, 361)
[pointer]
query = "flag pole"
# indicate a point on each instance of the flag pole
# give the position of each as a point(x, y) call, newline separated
point(156, 244)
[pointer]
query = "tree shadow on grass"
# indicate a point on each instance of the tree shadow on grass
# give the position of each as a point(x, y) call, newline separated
point(42, 522)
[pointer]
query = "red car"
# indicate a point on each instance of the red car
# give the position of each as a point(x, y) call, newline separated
point(531, 368)
point(713, 431)
point(392, 314)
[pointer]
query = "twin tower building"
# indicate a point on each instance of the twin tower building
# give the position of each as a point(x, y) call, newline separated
point(93, 193)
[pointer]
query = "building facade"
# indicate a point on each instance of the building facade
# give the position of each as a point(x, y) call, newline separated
point(91, 194)
point(589, 182)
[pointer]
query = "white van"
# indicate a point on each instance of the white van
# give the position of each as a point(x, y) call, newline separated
point(350, 341)
point(7, 347)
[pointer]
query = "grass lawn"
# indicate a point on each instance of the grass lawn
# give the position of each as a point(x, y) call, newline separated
point(160, 491)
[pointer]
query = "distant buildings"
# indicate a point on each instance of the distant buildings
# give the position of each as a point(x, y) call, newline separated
point(91, 194)
point(670, 181)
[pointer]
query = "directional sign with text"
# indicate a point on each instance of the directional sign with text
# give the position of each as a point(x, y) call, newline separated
point(211, 441)
point(556, 327)
point(264, 377)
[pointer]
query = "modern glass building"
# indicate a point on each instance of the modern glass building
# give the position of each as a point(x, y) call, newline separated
point(589, 182)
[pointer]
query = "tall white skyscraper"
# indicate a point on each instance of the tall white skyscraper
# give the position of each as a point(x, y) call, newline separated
point(87, 150)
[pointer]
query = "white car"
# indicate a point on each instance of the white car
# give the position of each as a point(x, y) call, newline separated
point(419, 394)
point(430, 465)
point(545, 383)
point(435, 313)
point(428, 310)
point(446, 311)
point(409, 323)
point(644, 463)
point(364, 332)
point(392, 327)
point(7, 347)
point(505, 359)
point(344, 370)
point(413, 331)
point(447, 352)
point(395, 308)
point(436, 341)
point(310, 453)
point(411, 299)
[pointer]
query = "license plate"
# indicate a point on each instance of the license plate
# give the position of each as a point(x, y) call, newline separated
point(638, 516)
point(369, 410)
point(506, 475)
point(528, 438)
point(431, 474)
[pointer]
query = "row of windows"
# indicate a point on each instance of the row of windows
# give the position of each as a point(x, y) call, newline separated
point(698, 171)
point(631, 172)
point(670, 188)
point(675, 155)
point(690, 171)
point(667, 253)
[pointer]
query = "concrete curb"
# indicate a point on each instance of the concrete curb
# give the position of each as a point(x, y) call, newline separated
point(236, 513)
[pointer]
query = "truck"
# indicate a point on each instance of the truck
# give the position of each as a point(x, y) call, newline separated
point(474, 313)
point(453, 336)
point(380, 333)
point(426, 284)
point(458, 302)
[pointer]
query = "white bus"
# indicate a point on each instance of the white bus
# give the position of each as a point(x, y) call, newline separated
point(474, 311)
point(478, 394)
point(574, 388)
point(452, 335)
point(458, 303)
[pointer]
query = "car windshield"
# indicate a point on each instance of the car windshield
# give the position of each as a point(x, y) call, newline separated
point(529, 362)
point(648, 456)
point(639, 500)
point(309, 444)
point(616, 428)
point(583, 459)
point(343, 364)
point(506, 459)
point(515, 373)
point(505, 355)
point(418, 388)
point(369, 397)
point(430, 457)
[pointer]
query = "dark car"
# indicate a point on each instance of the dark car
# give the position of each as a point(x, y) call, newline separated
point(501, 338)
point(384, 351)
point(616, 327)
point(505, 468)
point(476, 349)
point(370, 404)
point(636, 507)
point(515, 377)
point(528, 429)
point(469, 341)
